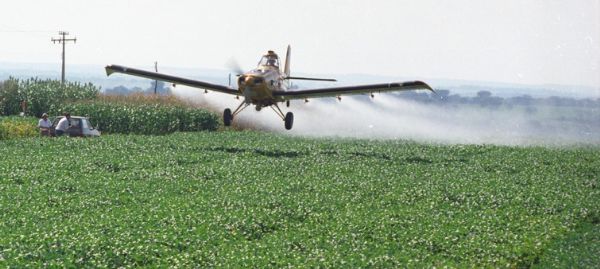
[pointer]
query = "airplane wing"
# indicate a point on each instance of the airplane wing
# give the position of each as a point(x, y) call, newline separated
point(347, 90)
point(110, 69)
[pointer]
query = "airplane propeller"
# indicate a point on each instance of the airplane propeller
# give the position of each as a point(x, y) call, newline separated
point(234, 67)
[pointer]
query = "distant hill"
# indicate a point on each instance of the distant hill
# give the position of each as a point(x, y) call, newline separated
point(96, 74)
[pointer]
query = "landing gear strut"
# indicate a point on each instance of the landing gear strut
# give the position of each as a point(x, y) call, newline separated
point(288, 118)
point(228, 116)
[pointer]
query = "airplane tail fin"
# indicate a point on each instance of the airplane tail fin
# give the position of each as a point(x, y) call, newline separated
point(286, 69)
point(288, 54)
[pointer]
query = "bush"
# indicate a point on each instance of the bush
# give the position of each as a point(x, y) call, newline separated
point(143, 118)
point(9, 97)
point(41, 95)
point(138, 114)
point(17, 127)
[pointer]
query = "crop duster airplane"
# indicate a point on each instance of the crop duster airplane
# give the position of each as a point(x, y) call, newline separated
point(267, 85)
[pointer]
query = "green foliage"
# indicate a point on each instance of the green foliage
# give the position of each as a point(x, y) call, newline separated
point(17, 127)
point(143, 118)
point(250, 199)
point(10, 97)
point(135, 114)
point(579, 249)
point(41, 95)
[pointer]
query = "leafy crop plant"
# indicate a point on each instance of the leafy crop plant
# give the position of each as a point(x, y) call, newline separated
point(252, 199)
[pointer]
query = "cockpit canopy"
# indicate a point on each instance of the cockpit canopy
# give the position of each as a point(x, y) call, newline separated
point(269, 59)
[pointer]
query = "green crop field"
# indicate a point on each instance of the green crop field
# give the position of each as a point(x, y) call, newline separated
point(253, 199)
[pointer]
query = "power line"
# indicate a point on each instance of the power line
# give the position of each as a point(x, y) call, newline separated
point(10, 29)
point(63, 40)
point(25, 31)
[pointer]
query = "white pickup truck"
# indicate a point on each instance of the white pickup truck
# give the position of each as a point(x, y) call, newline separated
point(78, 127)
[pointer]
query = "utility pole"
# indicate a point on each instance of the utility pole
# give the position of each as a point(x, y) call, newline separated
point(63, 40)
point(156, 81)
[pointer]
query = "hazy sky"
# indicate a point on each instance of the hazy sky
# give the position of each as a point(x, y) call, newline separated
point(517, 41)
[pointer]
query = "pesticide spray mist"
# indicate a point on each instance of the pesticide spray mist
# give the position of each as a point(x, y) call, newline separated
point(389, 117)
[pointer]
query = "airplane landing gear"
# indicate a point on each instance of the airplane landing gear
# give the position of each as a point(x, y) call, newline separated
point(227, 117)
point(289, 120)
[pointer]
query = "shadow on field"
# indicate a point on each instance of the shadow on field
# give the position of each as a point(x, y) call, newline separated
point(418, 160)
point(266, 153)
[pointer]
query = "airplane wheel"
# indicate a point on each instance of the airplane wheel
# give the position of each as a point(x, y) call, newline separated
point(227, 117)
point(289, 120)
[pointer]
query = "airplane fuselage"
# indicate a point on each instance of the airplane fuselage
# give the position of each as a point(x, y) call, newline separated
point(257, 85)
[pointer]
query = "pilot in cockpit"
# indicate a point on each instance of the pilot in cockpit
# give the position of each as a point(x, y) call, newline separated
point(271, 61)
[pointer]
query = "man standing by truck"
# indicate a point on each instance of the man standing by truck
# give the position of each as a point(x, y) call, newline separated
point(63, 125)
point(44, 124)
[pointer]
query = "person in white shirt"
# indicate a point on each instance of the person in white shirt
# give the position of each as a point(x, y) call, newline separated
point(44, 124)
point(63, 125)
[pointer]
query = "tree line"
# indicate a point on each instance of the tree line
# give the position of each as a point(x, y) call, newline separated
point(487, 99)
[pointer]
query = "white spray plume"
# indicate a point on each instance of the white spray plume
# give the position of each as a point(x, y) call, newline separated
point(389, 117)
